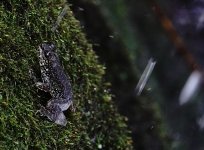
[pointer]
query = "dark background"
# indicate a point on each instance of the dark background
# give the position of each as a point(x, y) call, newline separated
point(125, 35)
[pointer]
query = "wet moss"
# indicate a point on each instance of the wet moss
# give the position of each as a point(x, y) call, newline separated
point(95, 123)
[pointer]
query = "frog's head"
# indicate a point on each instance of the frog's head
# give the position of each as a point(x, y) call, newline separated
point(47, 50)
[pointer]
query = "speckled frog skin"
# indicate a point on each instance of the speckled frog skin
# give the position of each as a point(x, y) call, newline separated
point(56, 82)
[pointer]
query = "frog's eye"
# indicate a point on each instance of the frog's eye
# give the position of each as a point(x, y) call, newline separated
point(48, 53)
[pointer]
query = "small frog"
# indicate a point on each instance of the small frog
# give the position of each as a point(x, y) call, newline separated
point(56, 82)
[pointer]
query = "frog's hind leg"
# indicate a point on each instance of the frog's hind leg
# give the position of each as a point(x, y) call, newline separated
point(63, 103)
point(54, 114)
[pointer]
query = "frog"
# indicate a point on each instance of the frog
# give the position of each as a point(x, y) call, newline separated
point(56, 82)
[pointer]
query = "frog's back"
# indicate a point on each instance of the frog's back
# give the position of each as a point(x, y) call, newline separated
point(59, 79)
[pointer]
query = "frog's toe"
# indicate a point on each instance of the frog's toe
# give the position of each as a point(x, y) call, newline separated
point(41, 111)
point(61, 119)
point(73, 108)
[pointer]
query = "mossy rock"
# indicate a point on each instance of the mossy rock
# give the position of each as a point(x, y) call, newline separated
point(95, 124)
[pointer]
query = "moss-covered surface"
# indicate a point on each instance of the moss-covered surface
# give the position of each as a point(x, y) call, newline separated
point(24, 24)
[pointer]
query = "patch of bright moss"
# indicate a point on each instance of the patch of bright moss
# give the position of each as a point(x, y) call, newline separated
point(95, 123)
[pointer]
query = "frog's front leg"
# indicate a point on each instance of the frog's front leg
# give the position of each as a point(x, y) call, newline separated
point(43, 86)
point(40, 85)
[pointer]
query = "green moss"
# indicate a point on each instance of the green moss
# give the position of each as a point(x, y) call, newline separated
point(95, 123)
